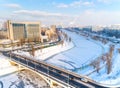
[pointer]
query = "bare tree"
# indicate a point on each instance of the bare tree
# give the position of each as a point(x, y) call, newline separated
point(109, 59)
point(119, 50)
point(111, 50)
point(103, 58)
point(96, 64)
point(18, 43)
point(28, 40)
point(62, 42)
point(33, 50)
point(104, 41)
point(21, 42)
point(41, 47)
point(70, 39)
point(2, 36)
point(108, 64)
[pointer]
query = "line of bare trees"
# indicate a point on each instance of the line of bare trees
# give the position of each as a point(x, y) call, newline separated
point(32, 52)
point(64, 37)
point(97, 38)
point(103, 40)
point(105, 58)
point(118, 50)
point(31, 41)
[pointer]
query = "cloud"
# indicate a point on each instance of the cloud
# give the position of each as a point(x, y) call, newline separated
point(107, 1)
point(12, 5)
point(88, 3)
point(62, 5)
point(76, 4)
point(37, 13)
point(92, 17)
point(88, 17)
point(47, 18)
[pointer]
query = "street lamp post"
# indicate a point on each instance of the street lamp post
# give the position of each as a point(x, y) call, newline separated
point(68, 81)
point(48, 71)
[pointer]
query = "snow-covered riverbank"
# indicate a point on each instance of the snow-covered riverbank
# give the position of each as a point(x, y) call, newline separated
point(78, 53)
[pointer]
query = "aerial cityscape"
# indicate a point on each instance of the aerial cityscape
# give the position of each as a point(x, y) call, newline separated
point(60, 44)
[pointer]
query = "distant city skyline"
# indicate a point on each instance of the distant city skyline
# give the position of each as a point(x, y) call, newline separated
point(59, 12)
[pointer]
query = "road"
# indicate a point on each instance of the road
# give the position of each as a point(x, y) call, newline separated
point(55, 73)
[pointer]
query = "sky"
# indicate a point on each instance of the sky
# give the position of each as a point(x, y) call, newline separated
point(62, 12)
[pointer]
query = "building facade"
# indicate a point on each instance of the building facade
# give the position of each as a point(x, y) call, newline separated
point(3, 34)
point(23, 30)
point(53, 28)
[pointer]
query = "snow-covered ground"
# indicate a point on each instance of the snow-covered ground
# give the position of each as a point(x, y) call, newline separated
point(77, 54)
point(12, 78)
point(6, 67)
point(81, 54)
point(47, 52)
point(112, 79)
point(71, 55)
point(23, 79)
